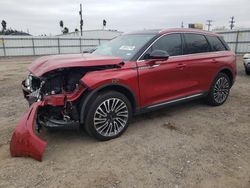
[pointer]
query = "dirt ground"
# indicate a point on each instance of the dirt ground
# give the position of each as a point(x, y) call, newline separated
point(189, 145)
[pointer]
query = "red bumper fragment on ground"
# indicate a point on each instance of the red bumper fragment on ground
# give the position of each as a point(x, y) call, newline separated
point(24, 141)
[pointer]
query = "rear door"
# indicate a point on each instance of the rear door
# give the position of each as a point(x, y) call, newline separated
point(199, 61)
point(166, 79)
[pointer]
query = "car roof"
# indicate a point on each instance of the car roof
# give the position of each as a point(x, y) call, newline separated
point(146, 31)
point(174, 30)
point(185, 30)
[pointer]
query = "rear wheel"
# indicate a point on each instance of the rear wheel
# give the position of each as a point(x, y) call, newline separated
point(108, 115)
point(220, 90)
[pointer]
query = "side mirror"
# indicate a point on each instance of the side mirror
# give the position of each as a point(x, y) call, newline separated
point(158, 54)
point(89, 50)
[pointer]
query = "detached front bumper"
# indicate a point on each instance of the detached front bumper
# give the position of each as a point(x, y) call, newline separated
point(24, 141)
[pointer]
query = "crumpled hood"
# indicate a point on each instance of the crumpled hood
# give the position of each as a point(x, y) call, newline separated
point(48, 63)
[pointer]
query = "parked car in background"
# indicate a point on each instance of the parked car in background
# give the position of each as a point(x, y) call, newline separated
point(246, 63)
point(132, 74)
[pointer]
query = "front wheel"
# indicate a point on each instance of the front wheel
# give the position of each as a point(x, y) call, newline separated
point(219, 91)
point(108, 115)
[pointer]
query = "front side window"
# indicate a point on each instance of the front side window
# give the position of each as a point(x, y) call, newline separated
point(215, 43)
point(125, 46)
point(170, 43)
point(195, 43)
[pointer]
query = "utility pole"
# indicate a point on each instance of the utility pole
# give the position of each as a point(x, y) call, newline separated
point(81, 21)
point(209, 24)
point(182, 25)
point(231, 22)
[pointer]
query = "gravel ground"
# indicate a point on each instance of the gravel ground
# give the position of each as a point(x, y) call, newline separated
point(189, 145)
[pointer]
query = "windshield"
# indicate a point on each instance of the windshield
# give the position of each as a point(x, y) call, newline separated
point(125, 46)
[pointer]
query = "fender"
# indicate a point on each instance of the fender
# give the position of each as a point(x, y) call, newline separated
point(124, 78)
point(90, 93)
point(220, 70)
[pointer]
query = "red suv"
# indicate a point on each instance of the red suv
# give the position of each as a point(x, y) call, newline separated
point(134, 73)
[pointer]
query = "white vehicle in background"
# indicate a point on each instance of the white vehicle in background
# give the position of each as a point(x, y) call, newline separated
point(246, 62)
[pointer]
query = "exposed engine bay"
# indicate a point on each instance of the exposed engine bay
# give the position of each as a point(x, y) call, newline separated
point(60, 85)
point(55, 82)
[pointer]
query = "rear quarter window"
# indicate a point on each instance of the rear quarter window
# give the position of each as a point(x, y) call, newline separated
point(216, 44)
point(195, 43)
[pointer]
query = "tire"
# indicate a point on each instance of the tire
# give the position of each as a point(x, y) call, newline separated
point(219, 91)
point(108, 115)
point(247, 71)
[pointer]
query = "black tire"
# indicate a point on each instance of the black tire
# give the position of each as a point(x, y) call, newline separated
point(247, 71)
point(219, 91)
point(116, 120)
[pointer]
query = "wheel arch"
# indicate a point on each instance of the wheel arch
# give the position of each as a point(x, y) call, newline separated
point(226, 71)
point(89, 95)
point(229, 73)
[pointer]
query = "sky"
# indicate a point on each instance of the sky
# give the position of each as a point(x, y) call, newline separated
point(43, 16)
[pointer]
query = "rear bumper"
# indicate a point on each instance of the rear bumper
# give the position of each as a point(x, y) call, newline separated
point(246, 63)
point(247, 66)
point(24, 141)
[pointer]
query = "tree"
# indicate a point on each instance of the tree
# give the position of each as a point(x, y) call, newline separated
point(4, 25)
point(65, 30)
point(104, 23)
point(61, 24)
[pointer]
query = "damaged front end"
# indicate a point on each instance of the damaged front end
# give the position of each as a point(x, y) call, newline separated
point(55, 93)
point(53, 100)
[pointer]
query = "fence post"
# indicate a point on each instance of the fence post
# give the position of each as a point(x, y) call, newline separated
point(4, 50)
point(58, 45)
point(80, 44)
point(237, 42)
point(33, 46)
point(99, 41)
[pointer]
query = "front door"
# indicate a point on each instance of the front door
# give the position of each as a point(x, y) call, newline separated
point(163, 80)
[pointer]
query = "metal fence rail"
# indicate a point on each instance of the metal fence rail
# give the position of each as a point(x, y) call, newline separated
point(238, 40)
point(23, 46)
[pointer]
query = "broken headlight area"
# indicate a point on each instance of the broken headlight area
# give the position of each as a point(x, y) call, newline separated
point(60, 81)
point(56, 82)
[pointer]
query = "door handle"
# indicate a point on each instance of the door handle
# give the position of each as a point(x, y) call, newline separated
point(154, 65)
point(214, 61)
point(181, 66)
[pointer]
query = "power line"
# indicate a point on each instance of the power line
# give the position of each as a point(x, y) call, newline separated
point(209, 24)
point(232, 22)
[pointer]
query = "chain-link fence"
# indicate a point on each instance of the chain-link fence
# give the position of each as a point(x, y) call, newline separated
point(24, 46)
point(238, 40)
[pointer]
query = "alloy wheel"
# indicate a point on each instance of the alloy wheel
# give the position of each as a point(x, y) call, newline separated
point(110, 117)
point(221, 90)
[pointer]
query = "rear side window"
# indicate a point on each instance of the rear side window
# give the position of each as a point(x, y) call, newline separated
point(224, 43)
point(215, 43)
point(195, 43)
point(170, 43)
